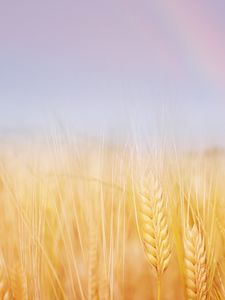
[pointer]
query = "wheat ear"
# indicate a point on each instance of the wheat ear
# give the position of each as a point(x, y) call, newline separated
point(154, 230)
point(195, 264)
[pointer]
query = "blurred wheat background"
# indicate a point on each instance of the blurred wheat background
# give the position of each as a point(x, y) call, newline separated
point(107, 222)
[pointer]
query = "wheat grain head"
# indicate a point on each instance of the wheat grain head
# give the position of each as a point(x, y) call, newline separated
point(153, 228)
point(195, 264)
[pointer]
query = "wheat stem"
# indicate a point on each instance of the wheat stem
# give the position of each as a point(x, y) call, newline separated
point(158, 288)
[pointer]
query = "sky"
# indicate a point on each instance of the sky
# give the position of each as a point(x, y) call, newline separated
point(112, 67)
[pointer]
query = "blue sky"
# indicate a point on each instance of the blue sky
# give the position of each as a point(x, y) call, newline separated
point(100, 67)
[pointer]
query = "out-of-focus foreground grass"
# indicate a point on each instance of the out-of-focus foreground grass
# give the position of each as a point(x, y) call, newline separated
point(70, 229)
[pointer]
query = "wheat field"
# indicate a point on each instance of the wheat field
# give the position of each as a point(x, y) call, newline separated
point(84, 221)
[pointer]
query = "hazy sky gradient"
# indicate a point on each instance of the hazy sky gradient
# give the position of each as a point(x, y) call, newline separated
point(110, 66)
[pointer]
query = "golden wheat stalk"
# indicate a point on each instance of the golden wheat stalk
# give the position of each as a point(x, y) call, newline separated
point(217, 290)
point(5, 293)
point(104, 292)
point(19, 283)
point(154, 229)
point(93, 265)
point(195, 264)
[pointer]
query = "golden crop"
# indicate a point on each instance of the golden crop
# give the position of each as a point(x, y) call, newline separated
point(97, 222)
